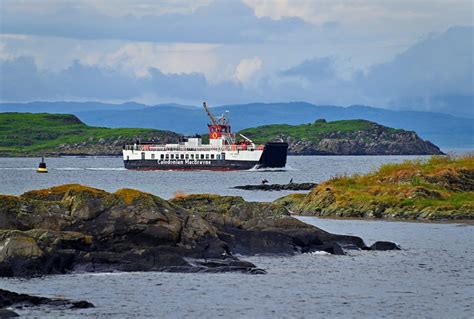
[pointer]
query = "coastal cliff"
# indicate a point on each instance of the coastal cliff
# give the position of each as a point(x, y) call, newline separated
point(78, 228)
point(348, 137)
point(441, 188)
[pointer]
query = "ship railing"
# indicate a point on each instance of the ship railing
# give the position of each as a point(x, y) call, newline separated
point(148, 147)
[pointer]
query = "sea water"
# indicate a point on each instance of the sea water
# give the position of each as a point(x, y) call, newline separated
point(19, 175)
point(432, 277)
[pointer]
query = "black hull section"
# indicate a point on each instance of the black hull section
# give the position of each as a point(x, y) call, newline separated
point(207, 165)
point(274, 155)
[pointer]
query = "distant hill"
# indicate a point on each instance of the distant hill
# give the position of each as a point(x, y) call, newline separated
point(344, 137)
point(26, 134)
point(444, 130)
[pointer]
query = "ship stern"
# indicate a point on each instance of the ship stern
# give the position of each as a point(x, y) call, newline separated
point(274, 155)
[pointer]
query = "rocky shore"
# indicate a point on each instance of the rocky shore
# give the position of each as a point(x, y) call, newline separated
point(377, 141)
point(439, 189)
point(78, 228)
point(278, 187)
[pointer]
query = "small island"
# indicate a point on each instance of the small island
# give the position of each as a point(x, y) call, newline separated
point(441, 188)
point(27, 134)
point(345, 137)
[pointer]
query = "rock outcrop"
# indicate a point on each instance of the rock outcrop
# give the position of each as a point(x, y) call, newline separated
point(278, 187)
point(349, 137)
point(441, 188)
point(78, 228)
point(379, 140)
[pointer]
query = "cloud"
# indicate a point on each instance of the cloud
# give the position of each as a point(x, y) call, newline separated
point(435, 73)
point(315, 69)
point(218, 22)
point(360, 12)
point(426, 73)
point(22, 80)
point(247, 68)
point(138, 58)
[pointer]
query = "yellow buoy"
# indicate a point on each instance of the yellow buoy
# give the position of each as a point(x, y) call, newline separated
point(42, 166)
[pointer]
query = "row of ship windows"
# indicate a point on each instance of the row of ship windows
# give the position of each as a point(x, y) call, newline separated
point(185, 156)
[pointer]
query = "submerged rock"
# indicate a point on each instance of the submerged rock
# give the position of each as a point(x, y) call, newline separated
point(5, 313)
point(78, 228)
point(16, 300)
point(278, 187)
point(384, 245)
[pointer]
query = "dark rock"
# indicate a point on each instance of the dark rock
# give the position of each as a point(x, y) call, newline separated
point(81, 304)
point(263, 228)
point(5, 313)
point(384, 245)
point(279, 187)
point(334, 249)
point(13, 299)
point(77, 228)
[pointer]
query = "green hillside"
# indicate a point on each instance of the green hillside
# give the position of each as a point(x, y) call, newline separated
point(344, 137)
point(27, 134)
point(311, 132)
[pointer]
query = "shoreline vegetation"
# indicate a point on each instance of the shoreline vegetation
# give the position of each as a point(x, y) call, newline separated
point(45, 134)
point(441, 188)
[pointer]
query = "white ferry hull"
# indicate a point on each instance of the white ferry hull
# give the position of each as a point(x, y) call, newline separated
point(272, 156)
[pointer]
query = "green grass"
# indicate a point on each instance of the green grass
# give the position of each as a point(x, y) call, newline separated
point(311, 132)
point(32, 134)
point(442, 187)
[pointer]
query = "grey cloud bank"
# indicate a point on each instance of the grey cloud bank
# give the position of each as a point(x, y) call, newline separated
point(434, 74)
point(72, 51)
point(220, 22)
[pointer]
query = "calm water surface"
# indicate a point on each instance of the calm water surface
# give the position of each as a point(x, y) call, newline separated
point(432, 277)
point(18, 175)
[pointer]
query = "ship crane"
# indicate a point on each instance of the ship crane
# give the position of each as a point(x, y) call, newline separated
point(213, 120)
point(219, 124)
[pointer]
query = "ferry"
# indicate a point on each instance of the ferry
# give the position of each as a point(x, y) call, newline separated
point(225, 151)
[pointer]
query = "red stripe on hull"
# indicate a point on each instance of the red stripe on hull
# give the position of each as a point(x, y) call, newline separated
point(221, 169)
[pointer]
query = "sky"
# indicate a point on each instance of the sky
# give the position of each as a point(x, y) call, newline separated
point(400, 54)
